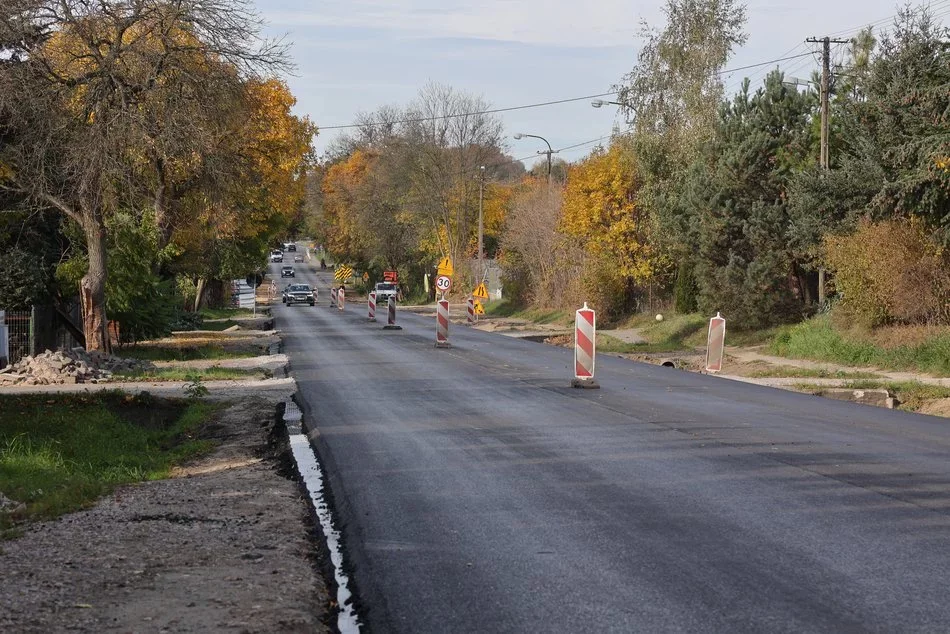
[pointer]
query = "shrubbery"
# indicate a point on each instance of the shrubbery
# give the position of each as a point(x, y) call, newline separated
point(891, 272)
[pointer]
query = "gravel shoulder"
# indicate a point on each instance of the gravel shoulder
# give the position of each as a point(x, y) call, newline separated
point(227, 544)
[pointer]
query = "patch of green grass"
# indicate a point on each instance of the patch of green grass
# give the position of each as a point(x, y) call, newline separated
point(59, 453)
point(784, 371)
point(817, 339)
point(184, 353)
point(504, 308)
point(225, 313)
point(184, 374)
point(218, 325)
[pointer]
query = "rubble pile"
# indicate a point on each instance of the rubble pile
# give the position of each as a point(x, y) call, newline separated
point(68, 366)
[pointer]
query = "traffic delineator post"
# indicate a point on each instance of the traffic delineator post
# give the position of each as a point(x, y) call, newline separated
point(470, 308)
point(585, 348)
point(341, 299)
point(332, 297)
point(442, 324)
point(715, 343)
point(391, 321)
point(371, 306)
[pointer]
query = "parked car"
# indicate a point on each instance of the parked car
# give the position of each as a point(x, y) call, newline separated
point(276, 256)
point(287, 271)
point(385, 290)
point(299, 294)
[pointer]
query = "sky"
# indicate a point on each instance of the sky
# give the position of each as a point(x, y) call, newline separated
point(357, 55)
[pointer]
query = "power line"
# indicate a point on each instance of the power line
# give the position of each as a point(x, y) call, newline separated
point(467, 114)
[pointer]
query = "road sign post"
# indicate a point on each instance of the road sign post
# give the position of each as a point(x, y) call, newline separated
point(470, 309)
point(371, 306)
point(585, 348)
point(391, 322)
point(442, 325)
point(715, 343)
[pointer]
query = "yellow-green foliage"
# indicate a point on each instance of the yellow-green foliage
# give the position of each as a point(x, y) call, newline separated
point(891, 272)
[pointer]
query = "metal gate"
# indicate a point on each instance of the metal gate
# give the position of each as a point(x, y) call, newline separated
point(20, 329)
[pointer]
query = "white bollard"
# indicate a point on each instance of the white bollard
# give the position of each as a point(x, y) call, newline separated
point(371, 306)
point(715, 342)
point(341, 300)
point(585, 348)
point(442, 325)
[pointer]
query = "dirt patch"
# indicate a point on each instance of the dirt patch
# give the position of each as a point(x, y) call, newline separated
point(938, 407)
point(228, 545)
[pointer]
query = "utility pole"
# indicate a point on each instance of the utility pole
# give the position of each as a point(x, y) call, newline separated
point(481, 223)
point(825, 154)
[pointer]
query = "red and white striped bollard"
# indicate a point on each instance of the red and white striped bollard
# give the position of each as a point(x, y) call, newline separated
point(585, 348)
point(341, 300)
point(470, 306)
point(391, 322)
point(371, 306)
point(332, 297)
point(442, 325)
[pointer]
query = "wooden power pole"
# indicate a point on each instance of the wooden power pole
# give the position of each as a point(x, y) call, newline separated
point(824, 159)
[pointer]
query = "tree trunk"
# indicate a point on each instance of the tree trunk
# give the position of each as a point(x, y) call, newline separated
point(217, 294)
point(92, 287)
point(200, 293)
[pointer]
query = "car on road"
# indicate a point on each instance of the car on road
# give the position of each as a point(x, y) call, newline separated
point(385, 290)
point(290, 246)
point(299, 294)
point(276, 256)
point(298, 258)
point(287, 271)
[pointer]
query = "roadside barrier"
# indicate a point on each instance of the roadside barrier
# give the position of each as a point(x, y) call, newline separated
point(332, 297)
point(371, 306)
point(470, 305)
point(715, 341)
point(391, 322)
point(341, 300)
point(585, 348)
point(442, 325)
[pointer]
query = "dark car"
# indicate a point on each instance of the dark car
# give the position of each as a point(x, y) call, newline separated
point(287, 271)
point(299, 294)
point(292, 246)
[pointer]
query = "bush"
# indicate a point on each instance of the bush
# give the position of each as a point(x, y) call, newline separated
point(891, 272)
point(685, 291)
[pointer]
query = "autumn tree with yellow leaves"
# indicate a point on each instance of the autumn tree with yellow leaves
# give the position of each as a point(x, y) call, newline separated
point(604, 217)
point(106, 102)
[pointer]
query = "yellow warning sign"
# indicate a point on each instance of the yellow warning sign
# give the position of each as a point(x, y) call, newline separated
point(479, 309)
point(445, 267)
point(342, 273)
point(480, 292)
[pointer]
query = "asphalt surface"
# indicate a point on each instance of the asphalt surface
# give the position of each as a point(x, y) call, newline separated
point(478, 492)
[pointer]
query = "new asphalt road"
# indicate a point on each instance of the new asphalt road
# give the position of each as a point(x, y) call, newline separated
point(478, 492)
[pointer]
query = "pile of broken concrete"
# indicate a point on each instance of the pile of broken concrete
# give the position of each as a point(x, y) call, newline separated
point(68, 366)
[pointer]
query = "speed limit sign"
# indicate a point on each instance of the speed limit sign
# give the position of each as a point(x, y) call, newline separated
point(443, 283)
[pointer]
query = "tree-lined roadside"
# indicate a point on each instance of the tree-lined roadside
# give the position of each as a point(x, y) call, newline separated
point(156, 146)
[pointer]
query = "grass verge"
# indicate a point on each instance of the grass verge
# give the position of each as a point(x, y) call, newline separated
point(819, 340)
point(225, 313)
point(184, 353)
point(59, 453)
point(214, 373)
point(504, 308)
point(791, 372)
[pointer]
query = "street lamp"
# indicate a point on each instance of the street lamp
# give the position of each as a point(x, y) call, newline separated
point(600, 103)
point(549, 151)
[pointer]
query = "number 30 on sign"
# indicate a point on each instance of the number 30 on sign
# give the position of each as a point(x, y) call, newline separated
point(443, 283)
